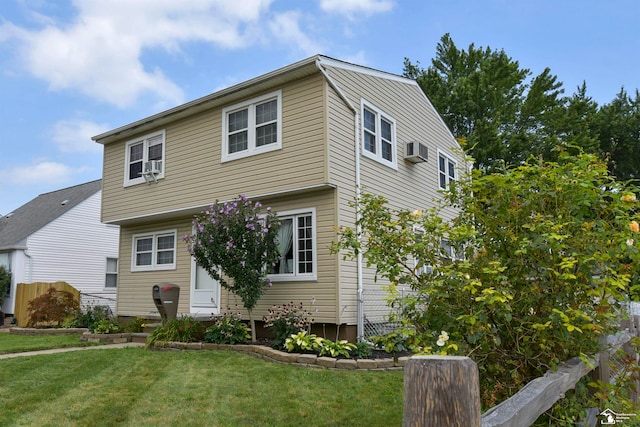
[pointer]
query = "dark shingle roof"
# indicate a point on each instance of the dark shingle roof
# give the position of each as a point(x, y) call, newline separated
point(16, 226)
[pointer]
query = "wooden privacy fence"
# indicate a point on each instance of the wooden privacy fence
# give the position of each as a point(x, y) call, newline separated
point(444, 390)
point(25, 292)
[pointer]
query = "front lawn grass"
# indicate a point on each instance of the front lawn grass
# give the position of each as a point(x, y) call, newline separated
point(137, 387)
point(10, 343)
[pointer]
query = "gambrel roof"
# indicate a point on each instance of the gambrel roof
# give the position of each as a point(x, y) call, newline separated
point(17, 226)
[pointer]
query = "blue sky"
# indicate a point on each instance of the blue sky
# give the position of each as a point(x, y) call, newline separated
point(71, 69)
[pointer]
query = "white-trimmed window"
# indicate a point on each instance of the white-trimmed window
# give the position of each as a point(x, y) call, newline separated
point(446, 171)
point(142, 155)
point(378, 135)
point(154, 251)
point(111, 274)
point(252, 127)
point(297, 246)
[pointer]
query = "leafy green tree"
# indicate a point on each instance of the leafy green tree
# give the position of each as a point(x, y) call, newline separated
point(485, 99)
point(578, 122)
point(235, 242)
point(530, 274)
point(618, 125)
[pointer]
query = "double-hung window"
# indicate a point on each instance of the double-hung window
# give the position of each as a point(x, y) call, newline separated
point(446, 171)
point(297, 246)
point(378, 135)
point(154, 251)
point(252, 127)
point(111, 275)
point(144, 155)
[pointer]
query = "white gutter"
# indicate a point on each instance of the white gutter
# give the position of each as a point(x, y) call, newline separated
point(359, 260)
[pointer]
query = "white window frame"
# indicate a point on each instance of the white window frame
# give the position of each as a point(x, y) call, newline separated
point(379, 117)
point(250, 105)
point(450, 166)
point(296, 276)
point(144, 140)
point(108, 273)
point(154, 250)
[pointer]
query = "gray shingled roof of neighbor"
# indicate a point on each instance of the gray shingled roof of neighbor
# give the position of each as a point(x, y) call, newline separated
point(16, 226)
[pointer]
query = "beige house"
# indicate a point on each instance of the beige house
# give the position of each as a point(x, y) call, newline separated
point(301, 139)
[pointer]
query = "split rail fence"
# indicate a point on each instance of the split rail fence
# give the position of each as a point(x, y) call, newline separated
point(444, 390)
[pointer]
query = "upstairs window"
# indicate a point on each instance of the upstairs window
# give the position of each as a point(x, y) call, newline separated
point(297, 247)
point(154, 251)
point(446, 171)
point(144, 155)
point(252, 127)
point(378, 135)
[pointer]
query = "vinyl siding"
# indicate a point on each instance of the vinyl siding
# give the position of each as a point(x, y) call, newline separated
point(411, 186)
point(134, 291)
point(134, 288)
point(74, 248)
point(342, 174)
point(194, 174)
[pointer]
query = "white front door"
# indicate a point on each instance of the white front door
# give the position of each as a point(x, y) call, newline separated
point(205, 291)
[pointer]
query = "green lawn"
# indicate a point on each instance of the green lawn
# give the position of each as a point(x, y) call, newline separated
point(10, 343)
point(137, 387)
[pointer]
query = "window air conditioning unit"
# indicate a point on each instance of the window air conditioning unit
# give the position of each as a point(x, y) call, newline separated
point(153, 167)
point(416, 152)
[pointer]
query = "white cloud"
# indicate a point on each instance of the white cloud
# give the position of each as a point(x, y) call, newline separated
point(75, 135)
point(99, 53)
point(286, 28)
point(43, 171)
point(352, 8)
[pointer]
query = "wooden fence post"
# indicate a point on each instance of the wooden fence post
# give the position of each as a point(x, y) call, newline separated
point(441, 391)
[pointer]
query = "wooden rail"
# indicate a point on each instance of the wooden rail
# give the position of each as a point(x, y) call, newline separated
point(443, 392)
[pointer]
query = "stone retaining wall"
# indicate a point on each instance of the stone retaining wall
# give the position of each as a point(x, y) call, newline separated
point(273, 355)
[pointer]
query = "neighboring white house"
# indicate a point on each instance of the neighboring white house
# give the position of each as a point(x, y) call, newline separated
point(58, 236)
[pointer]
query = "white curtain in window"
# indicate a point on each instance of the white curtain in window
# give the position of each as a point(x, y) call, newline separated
point(285, 240)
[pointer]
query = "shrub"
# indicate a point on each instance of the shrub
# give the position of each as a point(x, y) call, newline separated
point(89, 317)
point(303, 342)
point(286, 320)
point(362, 350)
point(106, 326)
point(520, 282)
point(228, 329)
point(235, 242)
point(182, 329)
point(336, 348)
point(51, 308)
point(136, 325)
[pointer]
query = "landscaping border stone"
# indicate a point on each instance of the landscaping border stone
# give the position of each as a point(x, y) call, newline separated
point(262, 351)
point(273, 355)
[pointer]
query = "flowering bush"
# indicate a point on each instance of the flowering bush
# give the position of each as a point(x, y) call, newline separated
point(235, 242)
point(530, 273)
point(286, 320)
point(228, 329)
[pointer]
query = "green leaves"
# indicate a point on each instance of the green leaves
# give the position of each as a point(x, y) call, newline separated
point(540, 269)
point(236, 243)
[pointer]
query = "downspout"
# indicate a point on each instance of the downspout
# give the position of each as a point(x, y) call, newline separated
point(359, 259)
point(26, 253)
